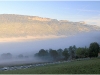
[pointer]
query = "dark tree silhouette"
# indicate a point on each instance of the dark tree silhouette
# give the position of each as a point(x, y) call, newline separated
point(60, 56)
point(43, 52)
point(65, 53)
point(71, 52)
point(93, 49)
point(53, 54)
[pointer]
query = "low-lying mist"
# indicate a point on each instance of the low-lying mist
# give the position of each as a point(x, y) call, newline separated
point(19, 61)
point(31, 47)
point(80, 40)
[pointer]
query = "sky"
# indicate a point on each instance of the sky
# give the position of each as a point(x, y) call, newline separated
point(88, 11)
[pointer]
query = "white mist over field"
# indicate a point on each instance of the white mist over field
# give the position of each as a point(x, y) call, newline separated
point(27, 47)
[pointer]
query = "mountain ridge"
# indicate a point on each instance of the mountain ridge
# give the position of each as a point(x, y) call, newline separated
point(12, 25)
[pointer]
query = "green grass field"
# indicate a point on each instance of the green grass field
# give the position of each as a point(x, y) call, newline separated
point(91, 66)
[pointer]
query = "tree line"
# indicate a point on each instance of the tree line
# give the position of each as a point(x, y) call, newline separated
point(5, 56)
point(72, 52)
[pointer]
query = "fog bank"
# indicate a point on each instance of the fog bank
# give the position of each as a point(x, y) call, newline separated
point(27, 47)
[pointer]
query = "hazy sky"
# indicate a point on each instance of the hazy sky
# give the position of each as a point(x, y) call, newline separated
point(88, 11)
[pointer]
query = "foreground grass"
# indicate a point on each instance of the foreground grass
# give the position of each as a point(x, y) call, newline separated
point(91, 66)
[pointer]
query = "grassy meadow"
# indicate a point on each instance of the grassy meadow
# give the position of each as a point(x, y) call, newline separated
point(91, 66)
